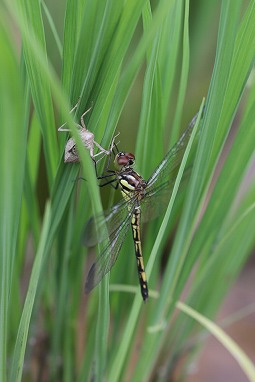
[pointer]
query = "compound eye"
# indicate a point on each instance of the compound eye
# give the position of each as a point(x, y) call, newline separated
point(124, 159)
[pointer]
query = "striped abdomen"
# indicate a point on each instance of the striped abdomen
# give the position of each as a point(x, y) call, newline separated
point(135, 223)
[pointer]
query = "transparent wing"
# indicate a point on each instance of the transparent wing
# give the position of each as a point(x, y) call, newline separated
point(168, 168)
point(160, 184)
point(101, 226)
point(110, 253)
point(157, 199)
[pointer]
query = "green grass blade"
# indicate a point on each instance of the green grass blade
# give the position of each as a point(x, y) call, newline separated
point(245, 363)
point(184, 76)
point(21, 341)
point(32, 24)
point(71, 28)
point(168, 56)
point(136, 61)
point(53, 28)
point(12, 165)
point(241, 66)
point(148, 113)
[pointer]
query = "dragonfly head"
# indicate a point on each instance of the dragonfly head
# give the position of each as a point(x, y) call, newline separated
point(124, 160)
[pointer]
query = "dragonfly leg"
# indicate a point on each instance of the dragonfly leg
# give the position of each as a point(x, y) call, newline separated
point(112, 173)
point(111, 183)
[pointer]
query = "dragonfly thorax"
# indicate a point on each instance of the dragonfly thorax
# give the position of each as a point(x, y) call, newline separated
point(129, 180)
point(132, 184)
point(124, 160)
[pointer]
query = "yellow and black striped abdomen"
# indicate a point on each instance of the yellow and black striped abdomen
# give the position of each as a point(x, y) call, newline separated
point(135, 223)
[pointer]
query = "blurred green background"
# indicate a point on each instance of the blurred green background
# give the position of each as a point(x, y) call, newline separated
point(144, 67)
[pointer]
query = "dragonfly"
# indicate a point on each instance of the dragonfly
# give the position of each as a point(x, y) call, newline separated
point(88, 139)
point(142, 200)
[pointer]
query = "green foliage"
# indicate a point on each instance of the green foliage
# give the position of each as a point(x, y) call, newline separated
point(116, 56)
